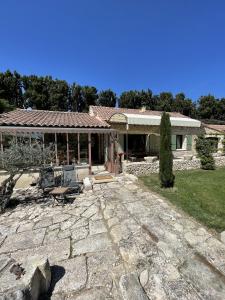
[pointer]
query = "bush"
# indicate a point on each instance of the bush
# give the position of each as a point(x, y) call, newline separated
point(165, 155)
point(204, 150)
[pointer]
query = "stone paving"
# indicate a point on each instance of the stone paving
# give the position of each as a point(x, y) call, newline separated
point(117, 242)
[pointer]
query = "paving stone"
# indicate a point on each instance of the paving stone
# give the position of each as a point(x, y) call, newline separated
point(58, 218)
point(24, 240)
point(98, 242)
point(70, 276)
point(25, 227)
point(131, 289)
point(81, 222)
point(55, 252)
point(100, 265)
point(43, 223)
point(63, 234)
point(79, 233)
point(96, 227)
point(91, 294)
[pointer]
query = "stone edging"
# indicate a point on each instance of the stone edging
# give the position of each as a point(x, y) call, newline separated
point(144, 168)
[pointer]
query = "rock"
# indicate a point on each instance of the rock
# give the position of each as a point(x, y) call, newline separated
point(98, 242)
point(222, 237)
point(87, 184)
point(144, 277)
point(33, 283)
point(130, 288)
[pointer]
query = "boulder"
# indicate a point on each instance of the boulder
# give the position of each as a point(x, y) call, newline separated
point(87, 184)
point(23, 280)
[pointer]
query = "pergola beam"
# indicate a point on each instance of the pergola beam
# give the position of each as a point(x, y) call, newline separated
point(20, 129)
point(89, 153)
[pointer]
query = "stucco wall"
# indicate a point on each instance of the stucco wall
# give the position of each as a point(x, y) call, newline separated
point(143, 168)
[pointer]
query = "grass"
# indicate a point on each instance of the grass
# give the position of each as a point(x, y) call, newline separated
point(199, 193)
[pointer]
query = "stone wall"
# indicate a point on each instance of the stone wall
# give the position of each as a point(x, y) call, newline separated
point(144, 168)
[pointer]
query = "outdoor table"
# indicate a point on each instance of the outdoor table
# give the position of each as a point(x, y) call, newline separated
point(59, 194)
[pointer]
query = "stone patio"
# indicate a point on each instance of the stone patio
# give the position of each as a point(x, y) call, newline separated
point(117, 242)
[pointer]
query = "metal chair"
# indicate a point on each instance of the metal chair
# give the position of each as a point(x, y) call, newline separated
point(69, 179)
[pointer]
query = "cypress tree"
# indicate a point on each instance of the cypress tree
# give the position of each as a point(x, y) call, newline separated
point(165, 155)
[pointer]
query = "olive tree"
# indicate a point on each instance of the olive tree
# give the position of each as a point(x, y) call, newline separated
point(19, 157)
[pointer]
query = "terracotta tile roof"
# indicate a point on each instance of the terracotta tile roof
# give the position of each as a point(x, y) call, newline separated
point(42, 118)
point(220, 128)
point(105, 113)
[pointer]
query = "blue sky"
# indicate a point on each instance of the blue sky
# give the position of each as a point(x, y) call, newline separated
point(164, 45)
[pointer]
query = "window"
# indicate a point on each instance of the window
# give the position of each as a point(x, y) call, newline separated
point(179, 141)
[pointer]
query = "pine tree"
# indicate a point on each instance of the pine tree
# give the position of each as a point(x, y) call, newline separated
point(165, 156)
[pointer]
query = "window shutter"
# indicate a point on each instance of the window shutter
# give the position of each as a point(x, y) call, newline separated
point(189, 142)
point(173, 142)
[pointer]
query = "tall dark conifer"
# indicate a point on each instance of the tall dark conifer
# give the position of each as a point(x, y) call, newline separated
point(165, 156)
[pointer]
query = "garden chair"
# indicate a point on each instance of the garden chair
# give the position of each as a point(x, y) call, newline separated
point(69, 179)
point(46, 179)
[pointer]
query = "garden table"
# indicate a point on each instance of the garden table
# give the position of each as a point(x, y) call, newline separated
point(59, 194)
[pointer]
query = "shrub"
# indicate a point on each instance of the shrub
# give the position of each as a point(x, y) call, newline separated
point(204, 150)
point(165, 155)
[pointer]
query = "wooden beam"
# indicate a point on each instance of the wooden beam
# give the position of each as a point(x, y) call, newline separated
point(78, 148)
point(56, 150)
point(89, 152)
point(111, 152)
point(99, 147)
point(127, 145)
point(67, 149)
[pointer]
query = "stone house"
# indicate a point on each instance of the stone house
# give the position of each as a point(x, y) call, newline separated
point(102, 136)
point(216, 134)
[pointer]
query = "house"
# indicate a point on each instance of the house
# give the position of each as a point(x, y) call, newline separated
point(216, 134)
point(99, 136)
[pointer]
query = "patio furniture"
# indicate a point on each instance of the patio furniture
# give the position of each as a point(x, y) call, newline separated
point(69, 179)
point(59, 195)
point(46, 179)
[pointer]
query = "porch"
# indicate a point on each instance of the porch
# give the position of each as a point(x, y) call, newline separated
point(89, 149)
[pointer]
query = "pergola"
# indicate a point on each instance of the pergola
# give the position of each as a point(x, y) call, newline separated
point(20, 122)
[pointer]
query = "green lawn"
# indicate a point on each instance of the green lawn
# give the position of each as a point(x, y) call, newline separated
point(199, 193)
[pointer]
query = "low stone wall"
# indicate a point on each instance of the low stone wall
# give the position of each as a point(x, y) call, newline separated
point(144, 168)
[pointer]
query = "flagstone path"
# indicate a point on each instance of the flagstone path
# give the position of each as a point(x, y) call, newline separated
point(117, 242)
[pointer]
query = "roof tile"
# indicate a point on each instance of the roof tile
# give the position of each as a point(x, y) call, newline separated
point(41, 118)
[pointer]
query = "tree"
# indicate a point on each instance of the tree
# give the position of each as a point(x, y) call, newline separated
point(18, 158)
point(89, 97)
point(204, 149)
point(207, 107)
point(11, 88)
point(165, 101)
point(165, 156)
point(137, 99)
point(5, 106)
point(76, 98)
point(36, 92)
point(184, 105)
point(107, 98)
